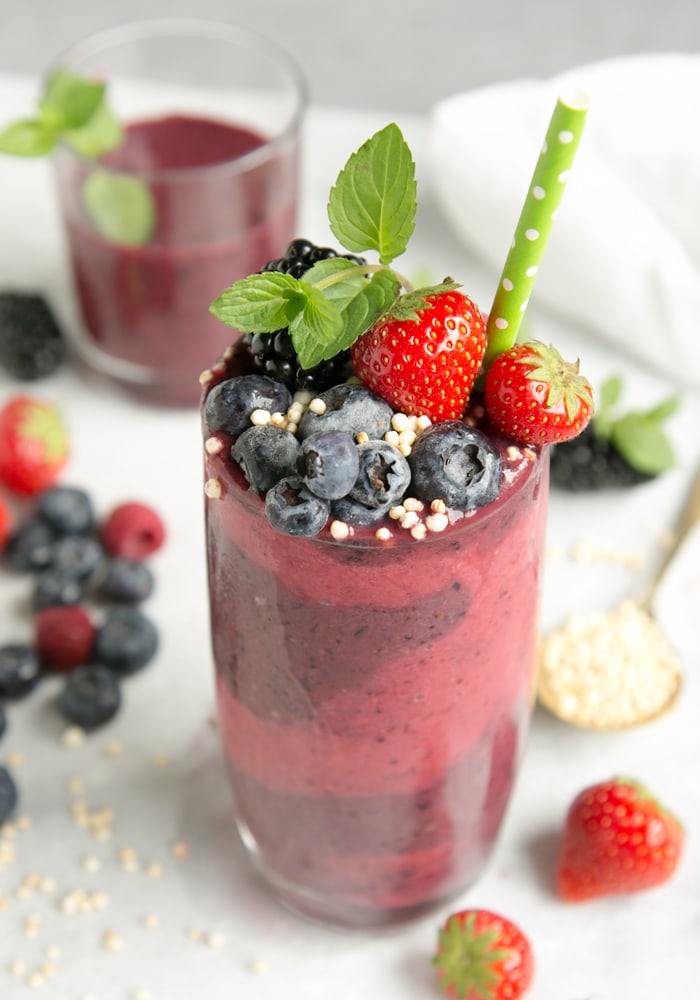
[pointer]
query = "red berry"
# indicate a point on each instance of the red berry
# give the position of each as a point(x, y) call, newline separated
point(617, 839)
point(33, 445)
point(483, 956)
point(5, 523)
point(133, 530)
point(535, 397)
point(64, 637)
point(426, 365)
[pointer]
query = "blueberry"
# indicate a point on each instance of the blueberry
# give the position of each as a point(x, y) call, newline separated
point(68, 510)
point(457, 464)
point(265, 454)
point(126, 581)
point(353, 512)
point(3, 722)
point(229, 404)
point(57, 586)
point(8, 795)
point(294, 510)
point(29, 547)
point(79, 555)
point(90, 697)
point(383, 477)
point(20, 670)
point(126, 641)
point(328, 463)
point(351, 408)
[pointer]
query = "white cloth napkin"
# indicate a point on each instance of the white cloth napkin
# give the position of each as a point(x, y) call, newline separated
point(623, 259)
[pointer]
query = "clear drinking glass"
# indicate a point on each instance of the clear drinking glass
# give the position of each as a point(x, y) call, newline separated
point(373, 696)
point(213, 116)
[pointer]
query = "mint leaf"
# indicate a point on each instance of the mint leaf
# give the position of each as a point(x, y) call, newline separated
point(27, 138)
point(665, 409)
point(315, 328)
point(261, 303)
point(70, 99)
point(373, 203)
point(121, 207)
point(640, 439)
point(99, 135)
point(610, 392)
point(367, 306)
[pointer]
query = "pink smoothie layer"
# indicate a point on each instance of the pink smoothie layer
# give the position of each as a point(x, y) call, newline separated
point(374, 696)
point(149, 305)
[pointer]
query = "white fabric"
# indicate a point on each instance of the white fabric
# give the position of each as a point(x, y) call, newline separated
point(624, 256)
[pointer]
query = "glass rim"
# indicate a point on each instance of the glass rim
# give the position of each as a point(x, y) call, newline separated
point(202, 28)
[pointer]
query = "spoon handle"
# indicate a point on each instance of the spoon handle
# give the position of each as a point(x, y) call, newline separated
point(690, 516)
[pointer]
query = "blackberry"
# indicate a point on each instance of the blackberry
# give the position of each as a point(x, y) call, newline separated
point(273, 353)
point(590, 462)
point(31, 341)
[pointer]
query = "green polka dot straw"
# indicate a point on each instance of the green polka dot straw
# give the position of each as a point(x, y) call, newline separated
point(535, 223)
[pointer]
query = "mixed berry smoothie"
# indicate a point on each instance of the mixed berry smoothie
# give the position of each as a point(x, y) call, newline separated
point(374, 691)
point(219, 215)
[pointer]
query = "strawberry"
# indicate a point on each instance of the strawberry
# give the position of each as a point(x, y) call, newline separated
point(33, 445)
point(617, 839)
point(482, 956)
point(427, 364)
point(535, 397)
point(5, 523)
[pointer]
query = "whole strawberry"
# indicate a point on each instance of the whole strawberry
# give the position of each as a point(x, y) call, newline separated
point(5, 523)
point(535, 397)
point(428, 364)
point(483, 956)
point(33, 445)
point(617, 839)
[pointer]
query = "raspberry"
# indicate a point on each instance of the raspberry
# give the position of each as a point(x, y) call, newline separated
point(64, 637)
point(133, 530)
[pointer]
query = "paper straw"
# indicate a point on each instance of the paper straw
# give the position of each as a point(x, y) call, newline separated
point(535, 223)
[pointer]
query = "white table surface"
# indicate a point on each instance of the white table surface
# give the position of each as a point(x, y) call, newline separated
point(637, 948)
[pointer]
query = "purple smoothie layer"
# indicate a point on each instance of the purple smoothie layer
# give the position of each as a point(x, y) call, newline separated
point(374, 696)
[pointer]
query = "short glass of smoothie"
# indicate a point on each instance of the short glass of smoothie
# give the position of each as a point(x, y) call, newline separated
point(212, 116)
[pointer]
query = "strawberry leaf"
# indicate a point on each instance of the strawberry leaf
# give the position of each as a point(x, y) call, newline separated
point(373, 203)
point(261, 303)
point(407, 307)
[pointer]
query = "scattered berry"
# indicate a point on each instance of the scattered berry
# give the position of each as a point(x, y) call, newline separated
point(3, 721)
point(78, 555)
point(329, 463)
point(8, 795)
point(133, 530)
point(617, 839)
point(5, 523)
point(457, 464)
point(265, 454)
point(125, 581)
point(383, 476)
point(20, 670)
point(67, 509)
point(350, 408)
point(427, 365)
point(230, 403)
point(31, 341)
point(535, 397)
point(57, 586)
point(29, 547)
point(294, 510)
point(91, 696)
point(64, 637)
point(33, 445)
point(126, 641)
point(483, 956)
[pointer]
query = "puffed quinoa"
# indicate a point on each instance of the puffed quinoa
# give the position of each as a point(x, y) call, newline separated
point(317, 406)
point(260, 417)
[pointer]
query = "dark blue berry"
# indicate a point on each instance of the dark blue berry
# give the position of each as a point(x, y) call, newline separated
point(265, 454)
point(126, 641)
point(29, 547)
point(3, 721)
point(68, 510)
point(294, 510)
point(31, 341)
point(351, 408)
point(229, 404)
point(125, 581)
point(457, 464)
point(57, 586)
point(90, 697)
point(79, 555)
point(383, 477)
point(20, 670)
point(8, 795)
point(353, 512)
point(328, 463)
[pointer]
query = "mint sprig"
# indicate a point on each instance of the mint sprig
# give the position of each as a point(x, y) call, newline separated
point(372, 207)
point(639, 436)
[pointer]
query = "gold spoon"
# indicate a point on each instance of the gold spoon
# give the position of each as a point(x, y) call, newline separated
point(615, 669)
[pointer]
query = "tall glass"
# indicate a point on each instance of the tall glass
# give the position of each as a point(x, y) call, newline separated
point(213, 116)
point(373, 696)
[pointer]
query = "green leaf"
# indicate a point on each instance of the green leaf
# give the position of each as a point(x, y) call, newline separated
point(640, 439)
point(366, 307)
point(71, 99)
point(316, 328)
point(373, 203)
point(665, 409)
point(406, 308)
point(260, 303)
point(27, 138)
point(120, 206)
point(610, 392)
point(100, 135)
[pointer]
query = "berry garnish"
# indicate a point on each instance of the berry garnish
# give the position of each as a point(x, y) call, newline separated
point(328, 463)
point(33, 445)
point(294, 510)
point(350, 408)
point(8, 795)
point(265, 454)
point(457, 464)
point(427, 365)
point(31, 341)
point(90, 697)
point(383, 476)
point(483, 956)
point(20, 670)
point(535, 397)
point(64, 637)
point(133, 530)
point(126, 641)
point(230, 404)
point(617, 839)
